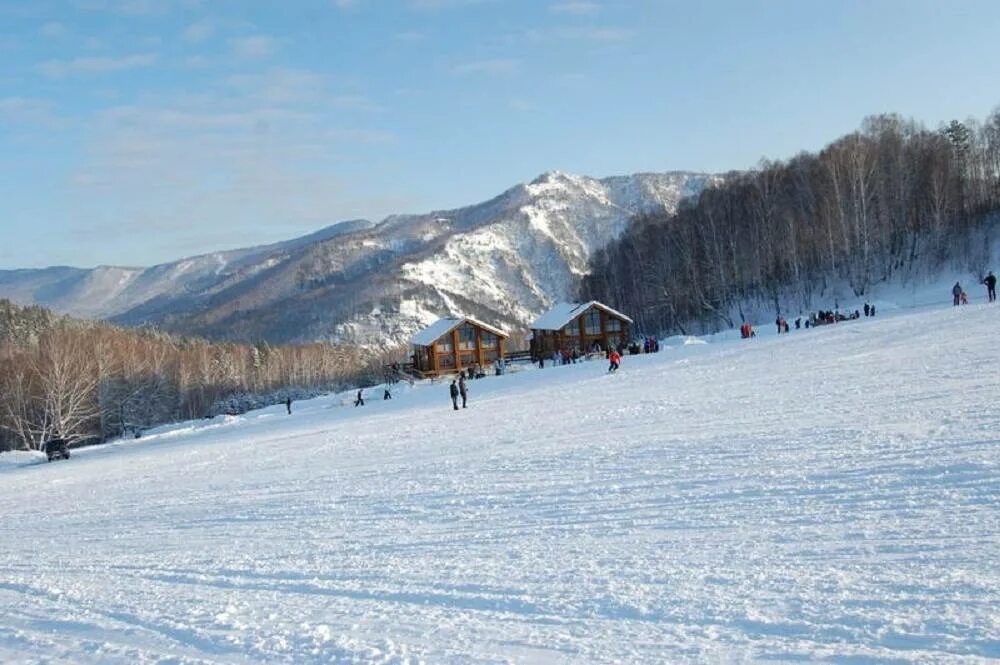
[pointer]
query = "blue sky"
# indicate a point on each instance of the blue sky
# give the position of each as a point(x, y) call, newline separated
point(139, 131)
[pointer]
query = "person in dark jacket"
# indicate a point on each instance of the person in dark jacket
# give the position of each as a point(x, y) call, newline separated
point(453, 389)
point(991, 286)
point(873, 310)
point(288, 405)
point(868, 309)
point(387, 395)
point(463, 390)
point(360, 401)
point(956, 294)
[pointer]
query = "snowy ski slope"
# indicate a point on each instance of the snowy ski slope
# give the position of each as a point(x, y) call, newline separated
point(828, 495)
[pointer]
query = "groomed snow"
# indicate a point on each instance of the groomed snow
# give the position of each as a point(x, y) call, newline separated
point(830, 495)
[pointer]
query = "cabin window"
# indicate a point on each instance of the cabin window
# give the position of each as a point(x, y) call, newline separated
point(467, 338)
point(490, 356)
point(592, 322)
point(488, 340)
point(443, 345)
point(446, 361)
point(468, 359)
point(614, 324)
point(571, 329)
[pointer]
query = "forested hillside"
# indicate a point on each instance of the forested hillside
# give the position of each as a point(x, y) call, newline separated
point(891, 201)
point(89, 381)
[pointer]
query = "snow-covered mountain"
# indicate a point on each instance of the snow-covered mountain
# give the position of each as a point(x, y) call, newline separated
point(503, 260)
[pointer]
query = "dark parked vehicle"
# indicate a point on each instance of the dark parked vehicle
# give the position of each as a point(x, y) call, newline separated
point(57, 449)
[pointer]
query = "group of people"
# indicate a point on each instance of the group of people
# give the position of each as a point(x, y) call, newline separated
point(960, 297)
point(458, 389)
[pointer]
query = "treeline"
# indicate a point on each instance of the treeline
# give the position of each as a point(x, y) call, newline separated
point(885, 202)
point(85, 381)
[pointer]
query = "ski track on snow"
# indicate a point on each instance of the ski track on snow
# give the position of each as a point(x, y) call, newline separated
point(829, 495)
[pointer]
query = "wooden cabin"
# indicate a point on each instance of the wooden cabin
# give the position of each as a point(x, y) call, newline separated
point(450, 345)
point(583, 327)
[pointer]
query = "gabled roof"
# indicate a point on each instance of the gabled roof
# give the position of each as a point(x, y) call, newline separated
point(441, 327)
point(564, 312)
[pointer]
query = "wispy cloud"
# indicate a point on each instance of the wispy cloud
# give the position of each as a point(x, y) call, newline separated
point(96, 64)
point(52, 29)
point(579, 8)
point(410, 36)
point(604, 34)
point(257, 46)
point(29, 111)
point(434, 5)
point(493, 67)
point(198, 31)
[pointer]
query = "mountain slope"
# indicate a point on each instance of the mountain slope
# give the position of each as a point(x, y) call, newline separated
point(503, 260)
point(781, 502)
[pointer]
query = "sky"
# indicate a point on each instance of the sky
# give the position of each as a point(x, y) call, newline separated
point(134, 132)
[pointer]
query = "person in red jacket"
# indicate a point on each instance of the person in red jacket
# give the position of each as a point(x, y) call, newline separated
point(615, 359)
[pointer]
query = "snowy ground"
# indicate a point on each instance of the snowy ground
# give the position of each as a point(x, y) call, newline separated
point(825, 495)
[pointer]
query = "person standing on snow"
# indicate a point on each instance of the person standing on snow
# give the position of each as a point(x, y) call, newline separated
point(387, 395)
point(360, 400)
point(615, 359)
point(991, 286)
point(956, 294)
point(454, 394)
point(288, 405)
point(463, 390)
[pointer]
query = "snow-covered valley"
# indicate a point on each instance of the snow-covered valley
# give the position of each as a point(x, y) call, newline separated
point(831, 494)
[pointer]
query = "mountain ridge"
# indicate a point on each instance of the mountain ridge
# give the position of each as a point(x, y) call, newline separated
point(503, 259)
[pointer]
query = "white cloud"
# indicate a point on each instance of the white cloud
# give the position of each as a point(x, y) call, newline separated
point(195, 62)
point(96, 64)
point(434, 5)
point(29, 111)
point(576, 8)
point(53, 29)
point(198, 31)
point(495, 66)
point(258, 46)
point(410, 36)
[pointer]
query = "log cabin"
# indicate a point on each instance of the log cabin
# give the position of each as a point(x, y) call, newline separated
point(450, 345)
point(583, 327)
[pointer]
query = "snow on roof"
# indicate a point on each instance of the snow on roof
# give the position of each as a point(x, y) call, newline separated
point(441, 327)
point(564, 312)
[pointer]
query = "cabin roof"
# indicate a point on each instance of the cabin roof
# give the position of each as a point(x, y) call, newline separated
point(562, 313)
point(436, 330)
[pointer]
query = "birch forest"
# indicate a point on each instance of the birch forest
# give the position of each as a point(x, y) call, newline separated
point(86, 382)
point(891, 201)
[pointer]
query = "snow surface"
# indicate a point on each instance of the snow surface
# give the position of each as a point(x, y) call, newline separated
point(827, 495)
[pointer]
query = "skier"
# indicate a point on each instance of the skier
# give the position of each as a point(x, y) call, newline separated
point(360, 401)
point(615, 359)
point(463, 390)
point(873, 310)
point(868, 309)
point(956, 294)
point(288, 405)
point(798, 323)
point(453, 389)
point(991, 286)
point(779, 323)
